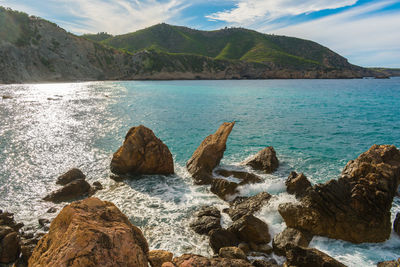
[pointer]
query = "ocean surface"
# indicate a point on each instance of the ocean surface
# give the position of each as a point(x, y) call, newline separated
point(316, 127)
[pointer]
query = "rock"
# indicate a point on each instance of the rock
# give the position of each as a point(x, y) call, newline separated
point(71, 191)
point(27, 247)
point(264, 263)
point(220, 238)
point(168, 264)
point(91, 232)
point(158, 257)
point(43, 222)
point(52, 210)
point(117, 178)
point(247, 205)
point(71, 175)
point(208, 155)
point(356, 207)
point(297, 184)
point(306, 257)
point(244, 247)
point(207, 219)
point(251, 229)
point(190, 260)
point(9, 245)
point(265, 248)
point(142, 153)
point(97, 186)
point(290, 236)
point(245, 177)
point(396, 224)
point(394, 263)
point(265, 160)
point(7, 219)
point(7, 97)
point(232, 253)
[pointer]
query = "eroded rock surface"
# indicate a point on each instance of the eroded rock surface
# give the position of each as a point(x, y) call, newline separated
point(71, 175)
point(290, 236)
point(190, 260)
point(265, 160)
point(251, 229)
point(158, 257)
point(71, 191)
point(247, 205)
point(297, 184)
point(307, 257)
point(206, 219)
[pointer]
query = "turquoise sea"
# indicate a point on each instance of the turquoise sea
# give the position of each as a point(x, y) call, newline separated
point(316, 127)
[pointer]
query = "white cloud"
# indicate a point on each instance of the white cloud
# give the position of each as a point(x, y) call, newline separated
point(247, 12)
point(364, 37)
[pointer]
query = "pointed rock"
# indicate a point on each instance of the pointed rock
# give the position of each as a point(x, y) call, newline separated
point(265, 160)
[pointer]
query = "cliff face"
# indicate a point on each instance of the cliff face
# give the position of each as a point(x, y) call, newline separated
point(35, 50)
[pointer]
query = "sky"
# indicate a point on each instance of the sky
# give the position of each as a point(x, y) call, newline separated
point(366, 32)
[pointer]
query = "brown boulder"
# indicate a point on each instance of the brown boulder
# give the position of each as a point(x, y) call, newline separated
point(9, 245)
point(73, 190)
point(290, 236)
point(356, 207)
point(232, 253)
point(91, 232)
point(265, 160)
point(71, 175)
point(297, 184)
point(142, 153)
point(158, 257)
point(251, 229)
point(206, 219)
point(394, 263)
point(220, 238)
point(190, 260)
point(244, 177)
point(306, 257)
point(247, 205)
point(208, 155)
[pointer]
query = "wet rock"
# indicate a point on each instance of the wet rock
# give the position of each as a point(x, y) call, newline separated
point(247, 205)
point(158, 257)
point(244, 247)
point(245, 177)
point(191, 260)
point(9, 245)
point(265, 160)
point(306, 257)
point(7, 97)
point(290, 236)
point(396, 224)
point(356, 207)
point(43, 221)
point(52, 210)
point(91, 232)
point(251, 229)
point(71, 191)
point(7, 219)
point(142, 153)
point(394, 263)
point(264, 248)
point(220, 238)
point(297, 184)
point(117, 178)
point(208, 155)
point(265, 263)
point(206, 219)
point(70, 176)
point(232, 253)
point(28, 244)
point(97, 186)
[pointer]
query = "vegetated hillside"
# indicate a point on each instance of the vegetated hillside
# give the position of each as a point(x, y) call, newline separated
point(393, 72)
point(36, 50)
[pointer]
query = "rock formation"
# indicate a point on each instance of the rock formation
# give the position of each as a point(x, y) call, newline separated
point(290, 236)
point(190, 260)
point(396, 224)
point(247, 205)
point(71, 175)
point(208, 155)
point(393, 263)
point(297, 184)
point(70, 191)
point(158, 257)
point(251, 229)
point(206, 219)
point(232, 253)
point(265, 160)
point(356, 207)
point(142, 153)
point(307, 257)
point(220, 238)
point(91, 232)
point(9, 245)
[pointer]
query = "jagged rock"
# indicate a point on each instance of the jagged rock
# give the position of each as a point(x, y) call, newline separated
point(43, 221)
point(97, 186)
point(142, 153)
point(158, 257)
point(306, 257)
point(264, 263)
point(232, 253)
point(71, 191)
point(206, 219)
point(251, 229)
point(91, 232)
point(292, 236)
point(71, 175)
point(7, 219)
point(191, 260)
point(396, 224)
point(297, 184)
point(28, 244)
point(224, 188)
point(356, 207)
point(208, 155)
point(264, 248)
point(52, 210)
point(247, 205)
point(394, 263)
point(265, 160)
point(220, 238)
point(9, 245)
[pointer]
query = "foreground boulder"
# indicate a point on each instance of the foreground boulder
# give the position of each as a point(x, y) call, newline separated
point(356, 207)
point(71, 175)
point(220, 238)
point(158, 257)
point(394, 263)
point(71, 191)
point(232, 253)
point(265, 160)
point(206, 219)
point(142, 153)
point(190, 260)
point(247, 205)
point(297, 184)
point(91, 232)
point(208, 155)
point(307, 257)
point(290, 236)
point(251, 229)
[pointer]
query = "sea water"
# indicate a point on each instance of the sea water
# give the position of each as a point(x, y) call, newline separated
point(316, 127)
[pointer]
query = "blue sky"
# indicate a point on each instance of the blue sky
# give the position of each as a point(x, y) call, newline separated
point(367, 32)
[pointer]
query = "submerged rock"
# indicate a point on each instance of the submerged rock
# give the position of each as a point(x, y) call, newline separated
point(247, 205)
point(297, 184)
point(290, 236)
point(142, 153)
point(71, 191)
point(307, 257)
point(71, 175)
point(251, 229)
point(191, 260)
point(158, 257)
point(91, 232)
point(206, 219)
point(356, 207)
point(208, 155)
point(265, 160)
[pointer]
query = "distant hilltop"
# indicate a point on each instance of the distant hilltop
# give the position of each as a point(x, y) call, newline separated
point(35, 50)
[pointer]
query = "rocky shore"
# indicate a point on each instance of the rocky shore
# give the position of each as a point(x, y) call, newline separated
point(92, 232)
